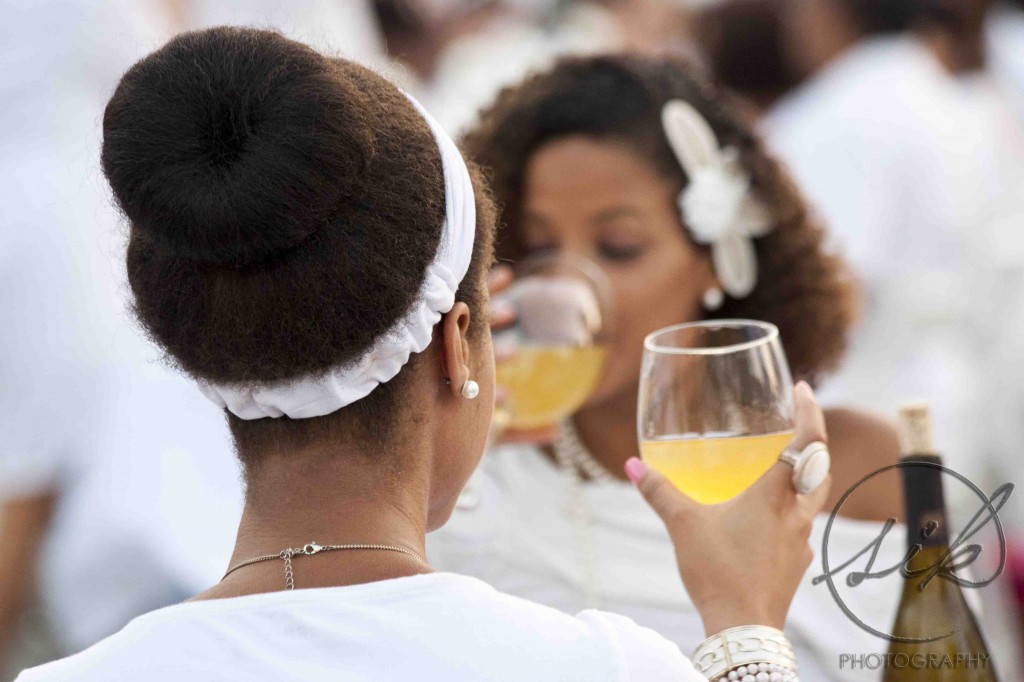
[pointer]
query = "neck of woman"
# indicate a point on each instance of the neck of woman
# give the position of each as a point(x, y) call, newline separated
point(330, 498)
point(608, 430)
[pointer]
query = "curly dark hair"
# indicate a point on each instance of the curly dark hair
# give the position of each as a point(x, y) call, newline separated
point(802, 288)
point(283, 208)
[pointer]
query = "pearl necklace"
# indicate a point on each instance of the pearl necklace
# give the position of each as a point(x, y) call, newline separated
point(572, 454)
point(575, 462)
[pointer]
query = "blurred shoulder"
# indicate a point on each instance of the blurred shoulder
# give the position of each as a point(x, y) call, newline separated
point(871, 437)
point(861, 443)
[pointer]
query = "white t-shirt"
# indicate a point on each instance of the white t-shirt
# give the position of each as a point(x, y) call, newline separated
point(521, 526)
point(142, 462)
point(882, 144)
point(439, 626)
point(1004, 44)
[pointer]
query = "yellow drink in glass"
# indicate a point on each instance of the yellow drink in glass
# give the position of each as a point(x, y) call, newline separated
point(546, 384)
point(712, 468)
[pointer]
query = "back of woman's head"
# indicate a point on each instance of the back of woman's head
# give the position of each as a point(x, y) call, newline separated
point(283, 209)
point(878, 17)
point(802, 288)
point(742, 43)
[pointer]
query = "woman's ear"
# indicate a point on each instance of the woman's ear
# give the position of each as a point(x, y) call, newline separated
point(455, 347)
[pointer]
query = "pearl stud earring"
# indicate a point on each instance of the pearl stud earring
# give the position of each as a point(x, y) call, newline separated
point(713, 298)
point(470, 389)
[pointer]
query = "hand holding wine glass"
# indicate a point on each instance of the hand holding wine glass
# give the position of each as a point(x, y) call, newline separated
point(502, 316)
point(742, 560)
point(551, 325)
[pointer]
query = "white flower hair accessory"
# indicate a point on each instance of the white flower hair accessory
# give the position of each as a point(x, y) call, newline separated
point(717, 204)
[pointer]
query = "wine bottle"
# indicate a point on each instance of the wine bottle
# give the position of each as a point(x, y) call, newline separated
point(931, 608)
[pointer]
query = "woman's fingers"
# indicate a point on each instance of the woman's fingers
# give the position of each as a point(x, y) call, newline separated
point(808, 427)
point(777, 481)
point(814, 501)
point(498, 279)
point(502, 313)
point(808, 419)
point(667, 501)
point(503, 352)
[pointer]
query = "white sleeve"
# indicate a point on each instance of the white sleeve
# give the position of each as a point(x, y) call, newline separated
point(645, 655)
point(46, 418)
point(48, 383)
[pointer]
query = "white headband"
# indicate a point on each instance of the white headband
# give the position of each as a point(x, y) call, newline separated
point(306, 398)
point(717, 204)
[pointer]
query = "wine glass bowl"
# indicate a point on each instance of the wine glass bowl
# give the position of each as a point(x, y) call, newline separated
point(715, 405)
point(551, 357)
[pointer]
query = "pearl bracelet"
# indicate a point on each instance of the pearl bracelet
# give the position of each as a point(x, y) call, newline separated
point(749, 653)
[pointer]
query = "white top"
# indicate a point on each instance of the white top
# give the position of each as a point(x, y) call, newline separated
point(85, 406)
point(524, 528)
point(1004, 43)
point(885, 149)
point(918, 177)
point(430, 627)
point(164, 496)
point(474, 68)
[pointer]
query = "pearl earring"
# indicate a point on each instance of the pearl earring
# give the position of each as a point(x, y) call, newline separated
point(470, 389)
point(713, 298)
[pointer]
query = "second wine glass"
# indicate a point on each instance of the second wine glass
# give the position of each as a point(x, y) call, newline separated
point(550, 359)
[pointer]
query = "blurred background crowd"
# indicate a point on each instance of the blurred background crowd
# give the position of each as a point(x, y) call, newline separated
point(902, 121)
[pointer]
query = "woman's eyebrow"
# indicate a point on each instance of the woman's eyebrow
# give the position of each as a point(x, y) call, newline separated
point(535, 217)
point(610, 214)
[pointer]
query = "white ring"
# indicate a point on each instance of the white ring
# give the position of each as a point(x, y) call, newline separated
point(810, 466)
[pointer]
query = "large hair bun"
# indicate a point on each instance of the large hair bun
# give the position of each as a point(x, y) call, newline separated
point(229, 145)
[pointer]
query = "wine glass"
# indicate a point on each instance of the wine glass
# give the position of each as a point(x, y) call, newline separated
point(715, 406)
point(551, 357)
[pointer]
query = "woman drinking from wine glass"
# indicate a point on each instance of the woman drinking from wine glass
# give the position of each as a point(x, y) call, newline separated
point(630, 162)
point(310, 247)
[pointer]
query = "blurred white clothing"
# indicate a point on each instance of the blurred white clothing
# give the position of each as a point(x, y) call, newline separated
point(340, 29)
point(153, 519)
point(1004, 37)
point(429, 627)
point(476, 67)
point(524, 527)
point(882, 146)
point(55, 301)
point(61, 262)
point(996, 95)
point(919, 177)
point(149, 489)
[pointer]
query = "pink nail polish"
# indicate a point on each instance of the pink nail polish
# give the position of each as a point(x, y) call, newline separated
point(635, 470)
point(811, 393)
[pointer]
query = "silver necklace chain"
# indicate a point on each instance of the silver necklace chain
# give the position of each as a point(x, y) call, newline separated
point(309, 549)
